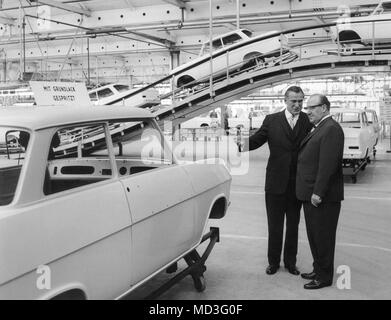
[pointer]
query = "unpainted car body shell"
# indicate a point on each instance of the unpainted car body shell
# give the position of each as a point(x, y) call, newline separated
point(146, 98)
point(233, 58)
point(363, 29)
point(104, 239)
point(360, 137)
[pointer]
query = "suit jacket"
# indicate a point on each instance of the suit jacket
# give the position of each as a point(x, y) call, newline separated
point(284, 146)
point(319, 168)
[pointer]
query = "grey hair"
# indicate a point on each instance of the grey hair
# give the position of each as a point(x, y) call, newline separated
point(324, 100)
point(294, 89)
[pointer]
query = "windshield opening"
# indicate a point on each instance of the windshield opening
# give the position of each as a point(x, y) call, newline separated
point(13, 146)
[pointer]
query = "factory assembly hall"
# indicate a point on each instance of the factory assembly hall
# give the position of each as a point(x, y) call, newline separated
point(199, 150)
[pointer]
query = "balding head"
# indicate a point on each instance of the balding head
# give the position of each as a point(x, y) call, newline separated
point(320, 99)
point(318, 106)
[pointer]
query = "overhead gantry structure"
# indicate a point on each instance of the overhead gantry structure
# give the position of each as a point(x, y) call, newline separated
point(137, 41)
point(306, 58)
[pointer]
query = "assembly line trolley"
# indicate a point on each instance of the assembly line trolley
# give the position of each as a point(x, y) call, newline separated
point(352, 168)
point(195, 266)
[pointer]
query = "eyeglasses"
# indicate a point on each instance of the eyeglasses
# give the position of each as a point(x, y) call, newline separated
point(313, 107)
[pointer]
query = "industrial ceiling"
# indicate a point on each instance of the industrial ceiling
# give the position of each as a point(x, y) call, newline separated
point(137, 41)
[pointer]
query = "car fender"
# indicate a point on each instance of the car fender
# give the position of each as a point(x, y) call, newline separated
point(61, 290)
point(218, 212)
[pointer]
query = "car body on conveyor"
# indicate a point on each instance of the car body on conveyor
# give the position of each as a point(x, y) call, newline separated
point(117, 94)
point(234, 50)
point(93, 203)
point(373, 28)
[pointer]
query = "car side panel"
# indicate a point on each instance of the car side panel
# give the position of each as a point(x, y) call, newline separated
point(100, 270)
point(365, 30)
point(162, 238)
point(232, 59)
point(62, 225)
point(364, 27)
point(210, 182)
point(162, 205)
point(360, 137)
point(366, 140)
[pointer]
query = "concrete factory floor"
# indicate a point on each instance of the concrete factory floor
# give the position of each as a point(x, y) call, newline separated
point(236, 265)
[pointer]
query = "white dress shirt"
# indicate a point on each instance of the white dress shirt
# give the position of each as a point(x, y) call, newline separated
point(291, 118)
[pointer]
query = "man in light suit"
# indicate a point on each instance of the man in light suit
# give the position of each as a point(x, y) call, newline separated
point(283, 131)
point(319, 184)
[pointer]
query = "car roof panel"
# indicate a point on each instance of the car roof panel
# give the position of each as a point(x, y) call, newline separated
point(38, 117)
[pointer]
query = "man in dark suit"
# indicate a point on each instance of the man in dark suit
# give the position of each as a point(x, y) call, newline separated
point(319, 184)
point(283, 131)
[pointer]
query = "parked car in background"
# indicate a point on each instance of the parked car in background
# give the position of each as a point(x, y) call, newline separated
point(88, 202)
point(226, 56)
point(361, 136)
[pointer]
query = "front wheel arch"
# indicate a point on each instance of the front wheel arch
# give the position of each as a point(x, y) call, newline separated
point(73, 294)
point(219, 208)
point(350, 36)
point(252, 55)
point(184, 80)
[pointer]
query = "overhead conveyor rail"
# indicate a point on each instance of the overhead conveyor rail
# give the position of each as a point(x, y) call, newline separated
point(305, 58)
point(227, 91)
point(207, 58)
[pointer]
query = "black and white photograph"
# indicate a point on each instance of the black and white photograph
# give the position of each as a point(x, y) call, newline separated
point(198, 155)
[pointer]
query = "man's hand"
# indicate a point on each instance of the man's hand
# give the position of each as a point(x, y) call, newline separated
point(239, 143)
point(316, 200)
point(240, 146)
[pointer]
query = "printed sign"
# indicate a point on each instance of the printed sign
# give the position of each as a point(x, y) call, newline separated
point(60, 93)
